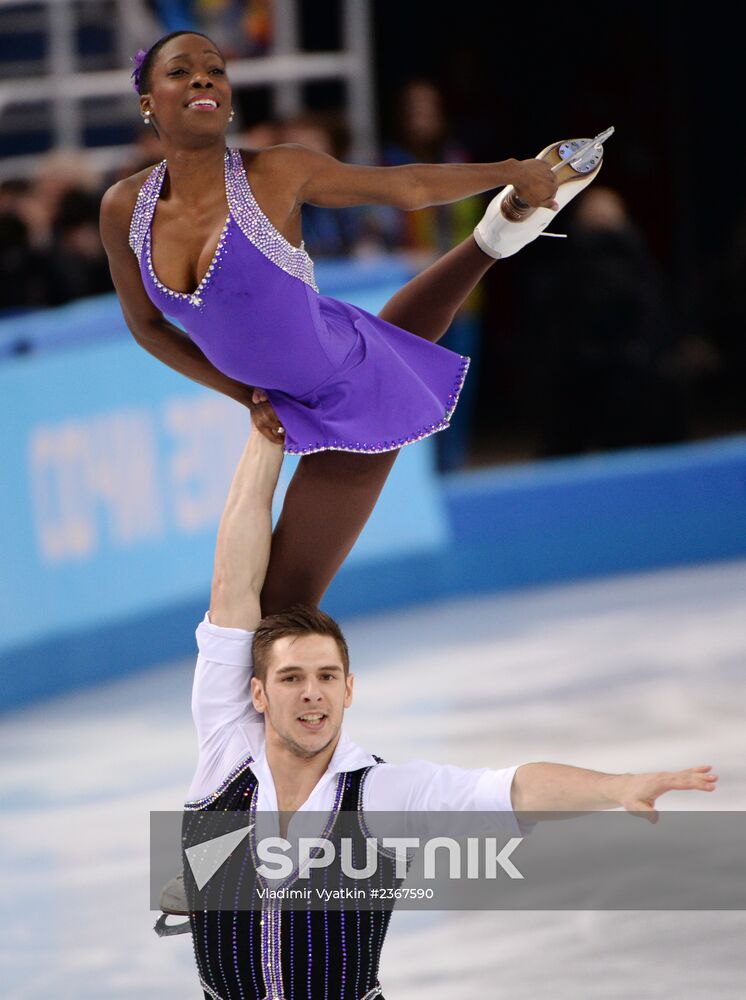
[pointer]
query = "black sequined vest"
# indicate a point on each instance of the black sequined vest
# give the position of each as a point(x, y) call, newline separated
point(278, 952)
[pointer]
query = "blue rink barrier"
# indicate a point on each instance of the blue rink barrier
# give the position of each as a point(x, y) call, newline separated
point(570, 519)
point(115, 470)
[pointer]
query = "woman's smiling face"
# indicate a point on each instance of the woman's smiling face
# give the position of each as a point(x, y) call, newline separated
point(189, 93)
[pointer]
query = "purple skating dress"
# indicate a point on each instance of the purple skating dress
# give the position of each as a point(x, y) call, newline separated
point(337, 376)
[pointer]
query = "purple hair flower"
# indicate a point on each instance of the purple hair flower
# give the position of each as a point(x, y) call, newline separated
point(137, 60)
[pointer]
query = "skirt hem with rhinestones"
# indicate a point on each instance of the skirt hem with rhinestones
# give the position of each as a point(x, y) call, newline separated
point(365, 448)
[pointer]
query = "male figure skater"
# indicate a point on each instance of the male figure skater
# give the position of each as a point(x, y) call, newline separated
point(271, 738)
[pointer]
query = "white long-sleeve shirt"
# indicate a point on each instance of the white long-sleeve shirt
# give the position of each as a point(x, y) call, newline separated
point(229, 729)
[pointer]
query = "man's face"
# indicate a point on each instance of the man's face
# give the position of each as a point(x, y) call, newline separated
point(305, 693)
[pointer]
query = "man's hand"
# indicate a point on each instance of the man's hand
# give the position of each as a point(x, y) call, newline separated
point(535, 183)
point(264, 418)
point(638, 792)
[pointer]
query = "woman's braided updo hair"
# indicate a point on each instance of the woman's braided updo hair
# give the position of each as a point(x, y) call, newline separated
point(144, 58)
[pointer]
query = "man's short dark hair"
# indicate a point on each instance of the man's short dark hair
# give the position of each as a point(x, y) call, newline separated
point(298, 620)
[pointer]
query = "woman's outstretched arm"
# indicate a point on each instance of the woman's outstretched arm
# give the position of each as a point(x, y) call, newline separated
point(320, 179)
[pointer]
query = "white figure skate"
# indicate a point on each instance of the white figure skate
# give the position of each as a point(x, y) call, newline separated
point(509, 223)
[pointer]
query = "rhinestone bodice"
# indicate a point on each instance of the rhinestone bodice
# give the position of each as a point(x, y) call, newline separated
point(242, 207)
point(251, 314)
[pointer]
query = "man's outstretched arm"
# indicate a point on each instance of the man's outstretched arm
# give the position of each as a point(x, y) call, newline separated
point(534, 791)
point(244, 537)
point(560, 787)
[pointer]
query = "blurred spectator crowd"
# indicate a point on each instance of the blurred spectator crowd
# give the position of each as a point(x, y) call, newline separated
point(241, 28)
point(50, 251)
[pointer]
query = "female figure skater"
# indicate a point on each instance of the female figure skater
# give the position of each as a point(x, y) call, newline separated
point(211, 236)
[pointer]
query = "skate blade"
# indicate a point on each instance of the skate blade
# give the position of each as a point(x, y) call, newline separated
point(164, 929)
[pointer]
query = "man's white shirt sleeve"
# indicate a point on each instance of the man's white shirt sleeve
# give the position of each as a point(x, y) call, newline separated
point(228, 726)
point(423, 787)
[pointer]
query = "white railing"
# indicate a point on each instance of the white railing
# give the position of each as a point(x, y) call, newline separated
point(285, 71)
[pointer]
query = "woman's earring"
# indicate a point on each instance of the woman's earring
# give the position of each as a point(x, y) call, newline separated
point(232, 115)
point(146, 118)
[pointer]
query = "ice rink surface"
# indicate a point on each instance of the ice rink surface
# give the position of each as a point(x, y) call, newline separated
point(636, 673)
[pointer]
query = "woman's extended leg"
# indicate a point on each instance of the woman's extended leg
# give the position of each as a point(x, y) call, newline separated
point(427, 304)
point(333, 493)
point(329, 499)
